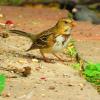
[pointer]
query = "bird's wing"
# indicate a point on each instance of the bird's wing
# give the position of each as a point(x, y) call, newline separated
point(45, 39)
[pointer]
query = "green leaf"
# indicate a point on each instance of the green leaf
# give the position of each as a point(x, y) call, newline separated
point(92, 73)
point(2, 82)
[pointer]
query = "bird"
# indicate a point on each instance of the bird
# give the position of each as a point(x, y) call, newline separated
point(83, 13)
point(51, 40)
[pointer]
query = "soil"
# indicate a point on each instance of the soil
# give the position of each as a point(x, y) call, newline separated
point(44, 81)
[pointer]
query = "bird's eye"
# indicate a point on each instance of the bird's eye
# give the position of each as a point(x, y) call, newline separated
point(66, 22)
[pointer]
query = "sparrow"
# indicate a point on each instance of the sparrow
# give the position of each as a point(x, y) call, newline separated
point(52, 40)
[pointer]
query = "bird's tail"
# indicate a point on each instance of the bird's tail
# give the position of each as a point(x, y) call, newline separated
point(22, 33)
point(31, 47)
point(29, 35)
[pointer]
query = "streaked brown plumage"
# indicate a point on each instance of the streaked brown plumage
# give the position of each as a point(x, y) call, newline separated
point(52, 40)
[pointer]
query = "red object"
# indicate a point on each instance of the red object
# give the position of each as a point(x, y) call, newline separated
point(43, 78)
point(9, 22)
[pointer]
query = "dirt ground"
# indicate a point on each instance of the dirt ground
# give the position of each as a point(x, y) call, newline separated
point(47, 81)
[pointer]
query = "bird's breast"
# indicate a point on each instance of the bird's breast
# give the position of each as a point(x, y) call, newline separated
point(61, 43)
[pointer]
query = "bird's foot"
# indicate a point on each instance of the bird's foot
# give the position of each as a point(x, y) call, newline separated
point(47, 60)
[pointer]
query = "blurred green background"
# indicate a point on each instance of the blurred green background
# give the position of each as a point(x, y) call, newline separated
point(21, 2)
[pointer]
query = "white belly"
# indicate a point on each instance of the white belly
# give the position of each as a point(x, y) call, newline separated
point(60, 44)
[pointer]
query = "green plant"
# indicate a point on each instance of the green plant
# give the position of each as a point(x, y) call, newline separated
point(71, 50)
point(2, 82)
point(11, 2)
point(92, 73)
point(76, 66)
point(2, 2)
point(16, 2)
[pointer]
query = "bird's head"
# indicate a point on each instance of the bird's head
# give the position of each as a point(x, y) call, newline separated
point(65, 25)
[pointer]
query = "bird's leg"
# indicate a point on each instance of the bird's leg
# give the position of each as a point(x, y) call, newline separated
point(62, 60)
point(43, 55)
point(44, 58)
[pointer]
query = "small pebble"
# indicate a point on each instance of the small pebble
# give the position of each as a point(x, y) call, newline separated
point(70, 85)
point(27, 71)
point(43, 95)
point(2, 25)
point(4, 35)
point(37, 68)
point(34, 60)
point(22, 61)
point(6, 94)
point(52, 87)
point(65, 75)
point(81, 86)
point(1, 15)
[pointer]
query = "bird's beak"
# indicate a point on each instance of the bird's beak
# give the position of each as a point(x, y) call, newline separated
point(73, 23)
point(74, 10)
